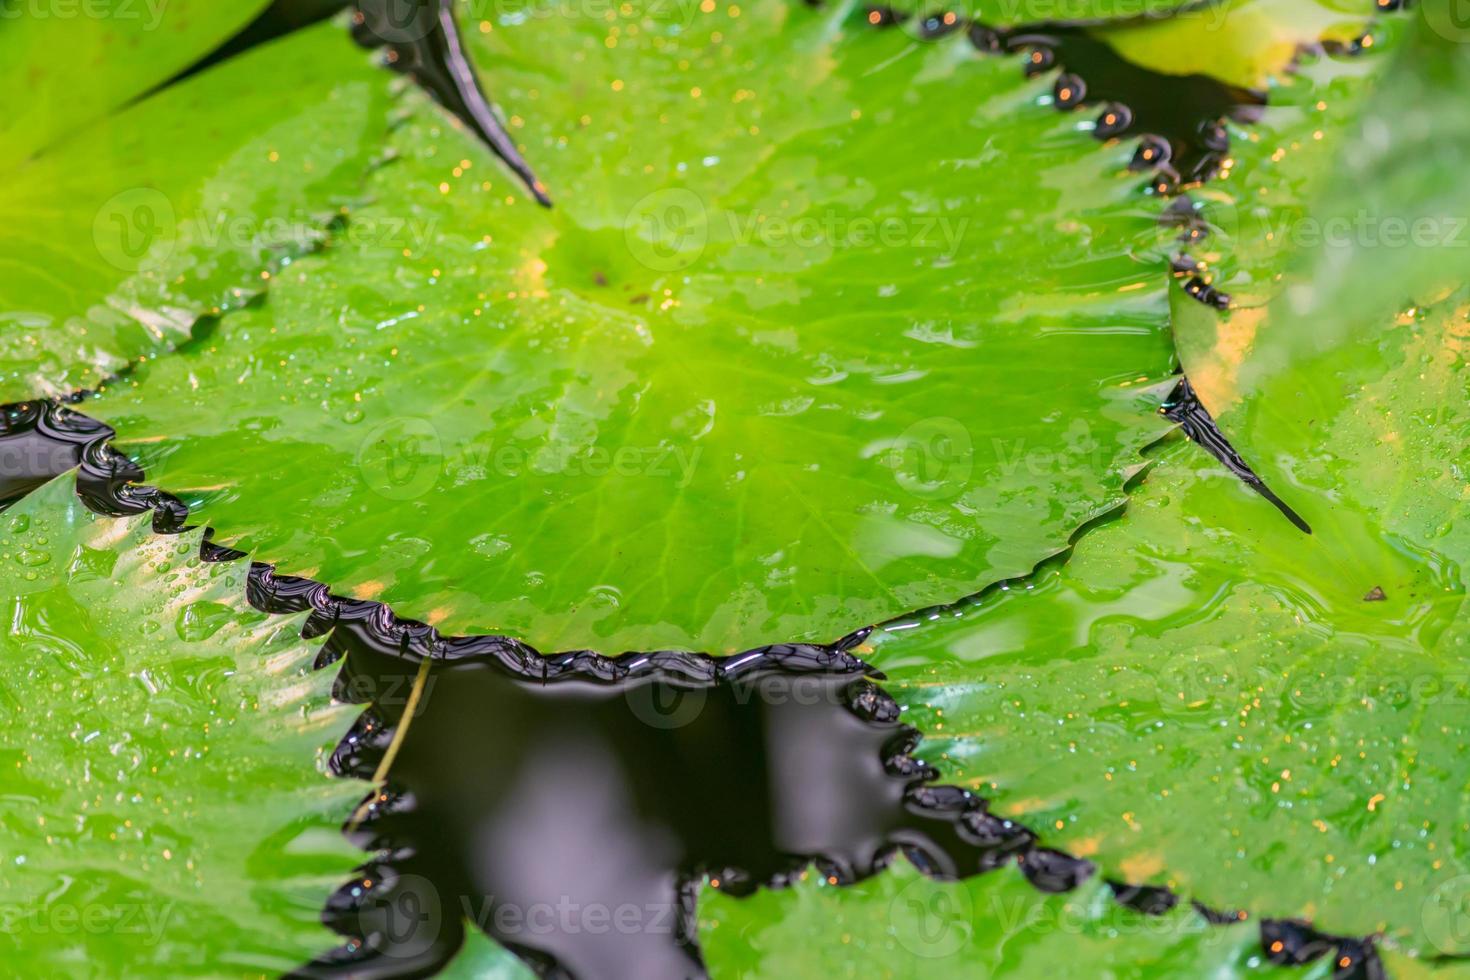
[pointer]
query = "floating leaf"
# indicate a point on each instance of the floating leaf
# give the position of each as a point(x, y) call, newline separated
point(824, 325)
point(126, 232)
point(904, 925)
point(851, 423)
point(1209, 698)
point(1250, 43)
point(78, 62)
point(162, 809)
point(1391, 228)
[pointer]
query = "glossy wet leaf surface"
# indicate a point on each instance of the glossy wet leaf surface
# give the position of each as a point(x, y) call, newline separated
point(1390, 227)
point(123, 234)
point(162, 809)
point(1250, 43)
point(1012, 13)
point(1207, 697)
point(743, 384)
point(1251, 214)
point(901, 924)
point(765, 372)
point(904, 925)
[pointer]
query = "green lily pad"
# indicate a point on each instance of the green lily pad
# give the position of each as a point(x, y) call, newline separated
point(1204, 696)
point(1015, 13)
point(1265, 212)
point(825, 325)
point(162, 813)
point(1250, 43)
point(1389, 229)
point(77, 62)
point(904, 925)
point(1282, 152)
point(123, 234)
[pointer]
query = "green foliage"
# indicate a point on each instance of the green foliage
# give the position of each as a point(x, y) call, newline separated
point(78, 62)
point(1209, 698)
point(162, 813)
point(1392, 227)
point(827, 324)
point(1014, 13)
point(904, 925)
point(1248, 43)
point(124, 233)
point(1281, 157)
point(823, 327)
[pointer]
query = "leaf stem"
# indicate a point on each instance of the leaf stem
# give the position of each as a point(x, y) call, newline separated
point(380, 775)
